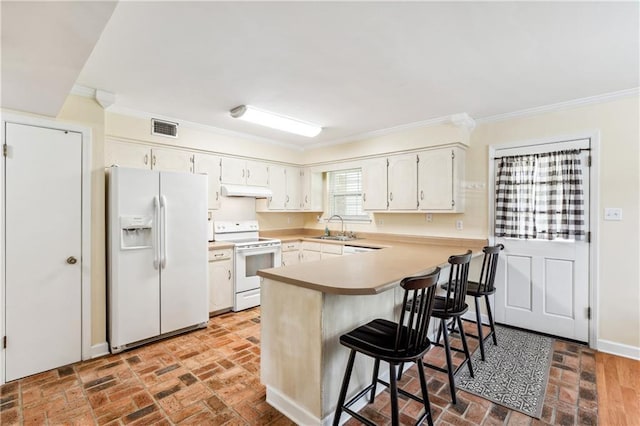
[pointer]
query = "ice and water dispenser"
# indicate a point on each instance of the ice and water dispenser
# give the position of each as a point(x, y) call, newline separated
point(136, 232)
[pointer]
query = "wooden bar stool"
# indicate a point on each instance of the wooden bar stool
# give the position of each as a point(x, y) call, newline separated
point(451, 307)
point(484, 287)
point(396, 343)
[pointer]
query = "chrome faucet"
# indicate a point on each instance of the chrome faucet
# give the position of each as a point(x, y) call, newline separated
point(341, 221)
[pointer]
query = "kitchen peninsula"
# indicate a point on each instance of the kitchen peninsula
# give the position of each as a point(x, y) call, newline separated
point(307, 306)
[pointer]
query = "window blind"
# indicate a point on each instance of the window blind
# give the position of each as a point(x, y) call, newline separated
point(345, 194)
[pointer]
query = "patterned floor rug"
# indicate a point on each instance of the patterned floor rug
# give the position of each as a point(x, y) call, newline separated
point(515, 372)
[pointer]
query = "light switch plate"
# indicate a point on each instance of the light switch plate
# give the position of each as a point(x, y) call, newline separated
point(611, 213)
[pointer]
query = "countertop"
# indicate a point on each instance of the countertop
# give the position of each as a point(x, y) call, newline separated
point(371, 272)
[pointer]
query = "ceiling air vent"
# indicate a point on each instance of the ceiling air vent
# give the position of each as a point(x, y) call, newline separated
point(164, 128)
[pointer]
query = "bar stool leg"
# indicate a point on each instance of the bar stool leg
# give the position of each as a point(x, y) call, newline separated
point(393, 389)
point(479, 325)
point(447, 352)
point(345, 386)
point(374, 380)
point(425, 392)
point(491, 322)
point(463, 337)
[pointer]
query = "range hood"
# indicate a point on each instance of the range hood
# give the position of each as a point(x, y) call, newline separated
point(246, 191)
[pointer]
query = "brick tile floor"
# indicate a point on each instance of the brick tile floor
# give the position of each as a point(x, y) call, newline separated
point(212, 377)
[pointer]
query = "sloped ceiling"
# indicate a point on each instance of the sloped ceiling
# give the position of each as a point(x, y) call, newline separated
point(352, 67)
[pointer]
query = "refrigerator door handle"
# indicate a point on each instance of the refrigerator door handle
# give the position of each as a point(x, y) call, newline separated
point(156, 236)
point(163, 244)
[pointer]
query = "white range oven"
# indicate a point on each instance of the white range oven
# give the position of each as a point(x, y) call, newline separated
point(251, 254)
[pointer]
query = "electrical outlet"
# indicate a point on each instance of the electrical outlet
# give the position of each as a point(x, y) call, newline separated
point(612, 214)
point(429, 217)
point(459, 225)
point(380, 222)
point(288, 220)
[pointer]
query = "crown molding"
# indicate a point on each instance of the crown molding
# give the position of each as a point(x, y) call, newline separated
point(85, 92)
point(382, 132)
point(605, 97)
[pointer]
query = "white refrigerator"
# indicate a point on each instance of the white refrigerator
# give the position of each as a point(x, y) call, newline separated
point(157, 255)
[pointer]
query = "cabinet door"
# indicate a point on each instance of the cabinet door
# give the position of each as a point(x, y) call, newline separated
point(403, 182)
point(257, 173)
point(435, 179)
point(293, 188)
point(290, 258)
point(278, 185)
point(127, 155)
point(374, 184)
point(209, 165)
point(233, 171)
point(311, 191)
point(328, 255)
point(171, 160)
point(310, 256)
point(220, 285)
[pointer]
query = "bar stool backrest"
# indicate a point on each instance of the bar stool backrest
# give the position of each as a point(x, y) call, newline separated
point(458, 282)
point(413, 327)
point(489, 266)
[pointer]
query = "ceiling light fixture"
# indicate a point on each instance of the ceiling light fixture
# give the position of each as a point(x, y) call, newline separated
point(275, 121)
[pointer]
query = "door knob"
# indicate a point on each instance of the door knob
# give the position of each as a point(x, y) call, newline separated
point(71, 260)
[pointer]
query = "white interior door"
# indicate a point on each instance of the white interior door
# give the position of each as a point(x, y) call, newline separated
point(43, 249)
point(183, 279)
point(544, 285)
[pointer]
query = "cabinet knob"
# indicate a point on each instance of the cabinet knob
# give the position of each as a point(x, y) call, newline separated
point(72, 260)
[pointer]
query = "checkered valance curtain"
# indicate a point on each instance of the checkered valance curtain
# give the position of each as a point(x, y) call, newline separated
point(540, 196)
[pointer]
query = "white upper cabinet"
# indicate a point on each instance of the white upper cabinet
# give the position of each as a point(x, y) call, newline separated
point(293, 177)
point(209, 165)
point(440, 180)
point(402, 177)
point(374, 184)
point(171, 160)
point(139, 156)
point(238, 171)
point(278, 186)
point(257, 173)
point(125, 154)
point(234, 171)
point(311, 191)
point(284, 183)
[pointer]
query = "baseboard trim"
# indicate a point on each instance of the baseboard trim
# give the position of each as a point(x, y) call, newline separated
point(301, 416)
point(290, 409)
point(101, 349)
point(619, 349)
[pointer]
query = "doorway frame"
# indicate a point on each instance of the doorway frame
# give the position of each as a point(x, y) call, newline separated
point(85, 275)
point(594, 213)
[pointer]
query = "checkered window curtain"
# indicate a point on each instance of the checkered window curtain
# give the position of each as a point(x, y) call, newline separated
point(540, 196)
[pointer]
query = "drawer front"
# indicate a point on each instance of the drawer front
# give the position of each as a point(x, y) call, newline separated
point(307, 245)
point(222, 254)
point(332, 248)
point(291, 246)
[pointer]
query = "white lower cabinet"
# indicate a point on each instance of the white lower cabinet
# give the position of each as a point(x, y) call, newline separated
point(310, 251)
point(220, 280)
point(291, 253)
point(317, 251)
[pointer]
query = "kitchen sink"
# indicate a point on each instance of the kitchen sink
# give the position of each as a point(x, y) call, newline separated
point(335, 237)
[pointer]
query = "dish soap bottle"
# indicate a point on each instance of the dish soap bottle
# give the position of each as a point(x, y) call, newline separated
point(326, 231)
